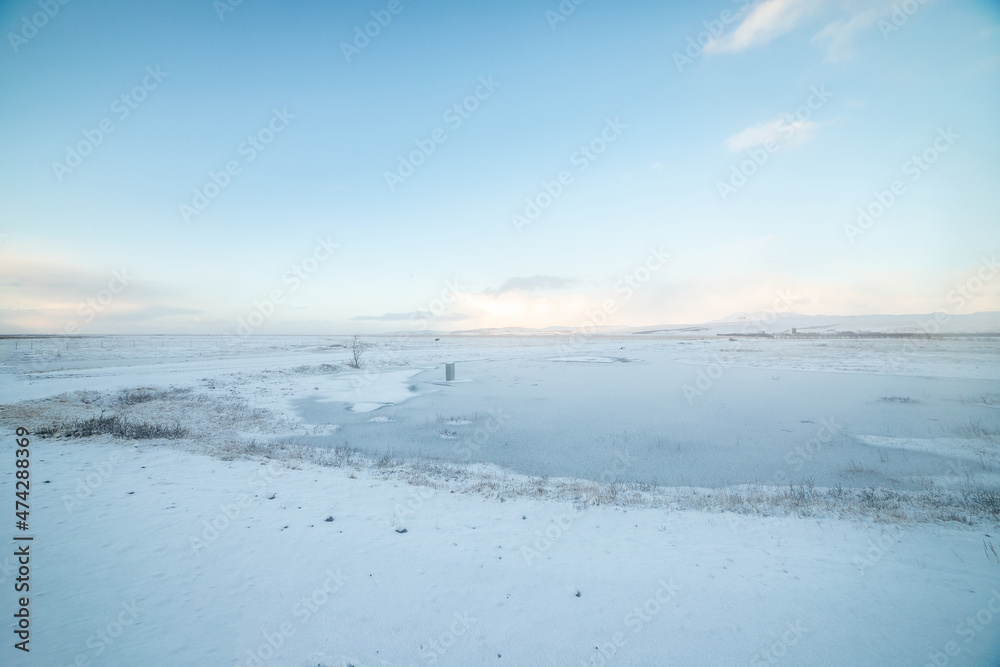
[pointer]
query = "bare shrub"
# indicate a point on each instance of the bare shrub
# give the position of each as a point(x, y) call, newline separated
point(388, 461)
point(345, 455)
point(358, 348)
point(121, 427)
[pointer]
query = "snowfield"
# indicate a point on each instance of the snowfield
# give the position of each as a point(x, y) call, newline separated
point(631, 500)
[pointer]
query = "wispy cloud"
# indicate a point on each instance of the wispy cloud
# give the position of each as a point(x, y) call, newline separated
point(781, 131)
point(38, 294)
point(766, 21)
point(533, 284)
point(411, 316)
point(839, 35)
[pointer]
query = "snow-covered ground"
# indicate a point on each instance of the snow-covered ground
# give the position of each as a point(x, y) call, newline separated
point(643, 500)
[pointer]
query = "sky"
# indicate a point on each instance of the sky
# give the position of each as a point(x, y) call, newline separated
point(242, 167)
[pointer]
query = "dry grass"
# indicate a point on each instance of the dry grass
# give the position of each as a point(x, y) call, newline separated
point(976, 429)
point(319, 369)
point(989, 400)
point(898, 399)
point(144, 413)
point(231, 429)
point(129, 397)
point(857, 468)
point(115, 426)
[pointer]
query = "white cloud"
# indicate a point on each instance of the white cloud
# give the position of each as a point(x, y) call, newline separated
point(43, 295)
point(533, 284)
point(839, 35)
point(412, 316)
point(765, 21)
point(782, 131)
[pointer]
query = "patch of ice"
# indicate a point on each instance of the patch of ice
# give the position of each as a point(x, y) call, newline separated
point(369, 393)
point(592, 360)
point(961, 448)
point(367, 407)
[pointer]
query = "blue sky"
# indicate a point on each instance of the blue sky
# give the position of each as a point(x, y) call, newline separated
point(677, 100)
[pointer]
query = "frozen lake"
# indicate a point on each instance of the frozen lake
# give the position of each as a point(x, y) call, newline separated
point(667, 410)
point(629, 418)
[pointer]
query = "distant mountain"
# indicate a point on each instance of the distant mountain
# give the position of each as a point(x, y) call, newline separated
point(985, 322)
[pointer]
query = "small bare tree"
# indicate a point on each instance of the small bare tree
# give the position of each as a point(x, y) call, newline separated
point(357, 351)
